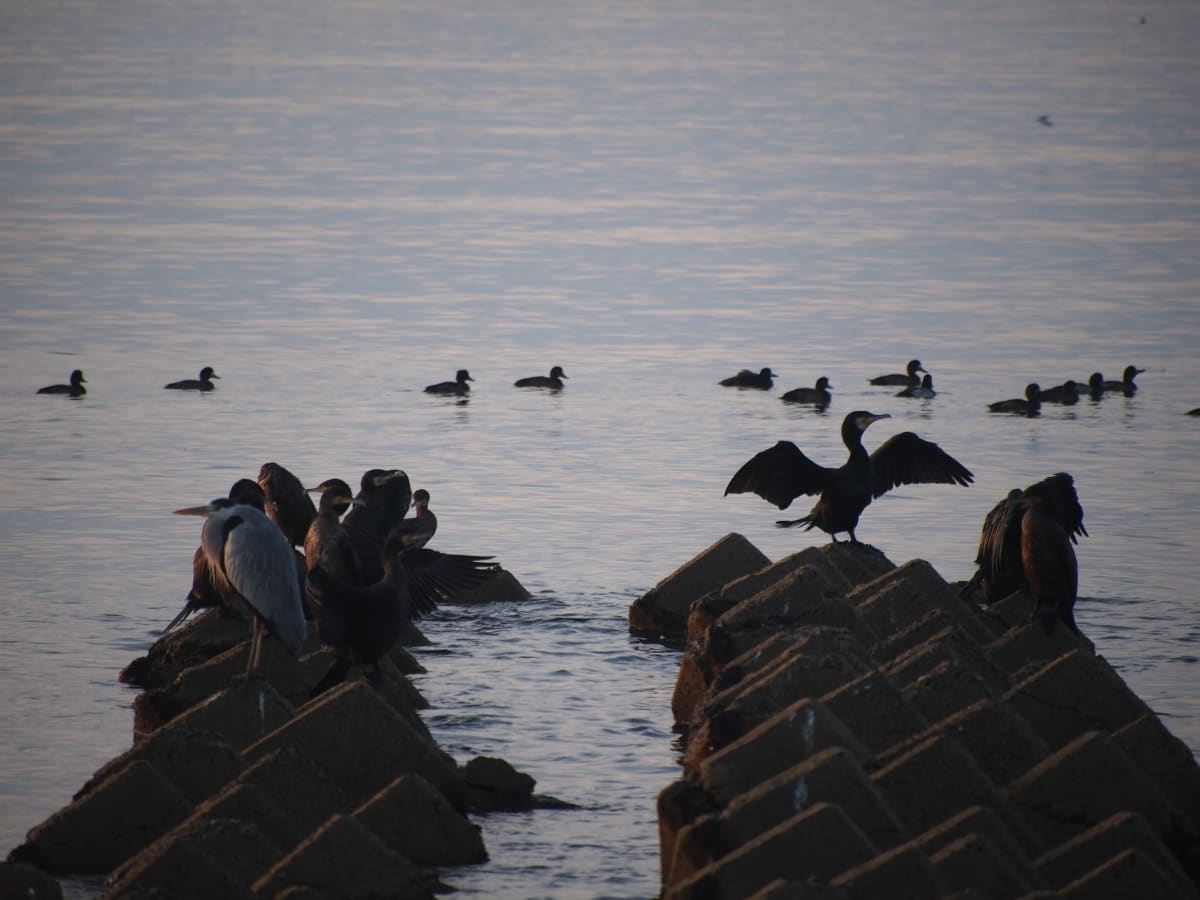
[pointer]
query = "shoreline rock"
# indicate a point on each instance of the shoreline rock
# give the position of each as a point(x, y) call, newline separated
point(854, 729)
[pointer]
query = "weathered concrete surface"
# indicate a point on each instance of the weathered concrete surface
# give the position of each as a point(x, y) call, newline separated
point(961, 744)
point(18, 879)
point(416, 820)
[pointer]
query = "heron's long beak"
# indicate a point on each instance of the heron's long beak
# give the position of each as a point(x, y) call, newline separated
point(194, 510)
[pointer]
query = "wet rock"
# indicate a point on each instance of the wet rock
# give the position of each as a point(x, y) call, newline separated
point(363, 744)
point(199, 860)
point(493, 784)
point(679, 804)
point(345, 860)
point(108, 824)
point(414, 818)
point(18, 879)
point(1075, 858)
point(204, 636)
point(500, 588)
point(662, 612)
point(818, 843)
point(197, 763)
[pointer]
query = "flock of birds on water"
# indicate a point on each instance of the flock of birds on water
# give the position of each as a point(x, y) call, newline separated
point(365, 571)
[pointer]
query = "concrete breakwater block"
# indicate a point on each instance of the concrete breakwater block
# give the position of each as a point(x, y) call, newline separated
point(202, 637)
point(239, 715)
point(363, 744)
point(414, 818)
point(662, 612)
point(18, 879)
point(973, 862)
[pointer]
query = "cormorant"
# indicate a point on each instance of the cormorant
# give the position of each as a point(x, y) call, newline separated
point(762, 380)
point(1126, 383)
point(924, 390)
point(1019, 548)
point(818, 394)
point(204, 383)
point(1066, 393)
point(908, 379)
point(384, 497)
point(553, 381)
point(327, 543)
point(458, 386)
point(782, 473)
point(288, 503)
point(256, 559)
point(209, 586)
point(1026, 407)
point(75, 388)
point(417, 531)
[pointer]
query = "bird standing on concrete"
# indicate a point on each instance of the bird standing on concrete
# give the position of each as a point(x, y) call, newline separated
point(782, 473)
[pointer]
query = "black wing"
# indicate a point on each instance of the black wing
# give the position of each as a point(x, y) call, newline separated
point(905, 458)
point(1065, 506)
point(435, 577)
point(779, 475)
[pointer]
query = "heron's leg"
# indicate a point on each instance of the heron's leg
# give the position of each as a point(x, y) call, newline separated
point(256, 635)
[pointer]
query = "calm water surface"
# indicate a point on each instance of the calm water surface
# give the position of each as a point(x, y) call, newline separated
point(335, 205)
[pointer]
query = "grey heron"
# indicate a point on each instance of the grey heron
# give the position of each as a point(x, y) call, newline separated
point(75, 388)
point(458, 386)
point(203, 383)
point(259, 563)
point(552, 381)
point(782, 473)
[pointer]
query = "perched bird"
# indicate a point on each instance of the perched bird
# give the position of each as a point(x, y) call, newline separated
point(383, 499)
point(818, 394)
point(762, 380)
point(1066, 393)
point(75, 388)
point(1029, 406)
point(924, 390)
point(257, 561)
point(204, 383)
point(327, 543)
point(1126, 383)
point(288, 503)
point(553, 381)
point(417, 531)
point(907, 379)
point(1010, 549)
point(782, 473)
point(209, 585)
point(458, 386)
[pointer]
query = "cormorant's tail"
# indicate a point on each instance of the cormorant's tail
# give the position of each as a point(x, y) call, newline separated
point(806, 521)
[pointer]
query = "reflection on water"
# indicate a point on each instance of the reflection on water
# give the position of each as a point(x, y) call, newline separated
point(337, 205)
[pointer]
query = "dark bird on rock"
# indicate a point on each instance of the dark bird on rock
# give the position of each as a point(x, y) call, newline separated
point(203, 383)
point(1066, 393)
point(923, 391)
point(328, 544)
point(417, 530)
point(1029, 406)
point(782, 473)
point(75, 388)
point(288, 503)
point(209, 586)
point(554, 381)
point(255, 558)
point(1126, 383)
point(818, 394)
point(459, 386)
point(384, 498)
point(908, 378)
point(761, 380)
point(1025, 545)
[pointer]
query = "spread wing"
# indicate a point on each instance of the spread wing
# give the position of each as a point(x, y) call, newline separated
point(1065, 506)
point(435, 577)
point(905, 458)
point(779, 475)
point(1000, 539)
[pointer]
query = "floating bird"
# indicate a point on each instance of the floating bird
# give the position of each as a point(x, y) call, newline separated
point(1095, 385)
point(1019, 548)
point(908, 379)
point(1066, 393)
point(1026, 407)
point(204, 383)
point(762, 380)
point(553, 381)
point(288, 504)
point(459, 386)
point(782, 473)
point(1045, 120)
point(1126, 383)
point(75, 388)
point(417, 531)
point(257, 561)
point(327, 543)
point(924, 390)
point(818, 394)
point(1193, 412)
point(209, 585)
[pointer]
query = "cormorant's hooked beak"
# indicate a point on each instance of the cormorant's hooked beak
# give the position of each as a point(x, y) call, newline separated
point(871, 418)
point(391, 473)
